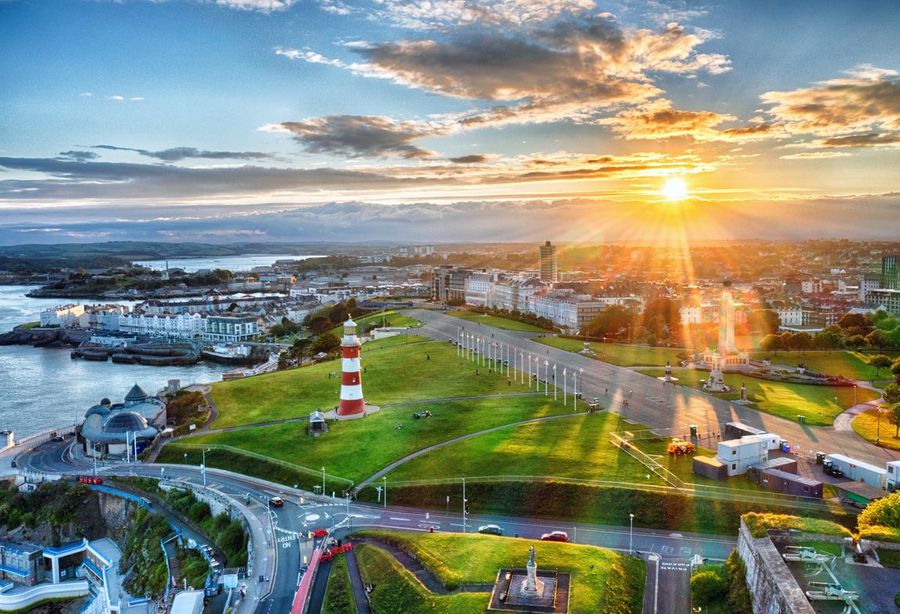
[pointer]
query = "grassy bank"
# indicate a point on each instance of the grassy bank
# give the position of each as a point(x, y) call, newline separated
point(818, 404)
point(599, 505)
point(624, 355)
point(496, 321)
point(854, 365)
point(867, 426)
point(397, 369)
point(601, 580)
point(388, 318)
point(338, 591)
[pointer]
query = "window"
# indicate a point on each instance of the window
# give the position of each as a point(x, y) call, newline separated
point(734, 466)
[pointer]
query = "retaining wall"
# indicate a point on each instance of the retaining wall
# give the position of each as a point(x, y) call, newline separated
point(772, 585)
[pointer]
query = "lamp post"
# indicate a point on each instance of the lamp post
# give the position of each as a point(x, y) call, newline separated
point(203, 465)
point(385, 491)
point(554, 381)
point(323, 481)
point(546, 377)
point(464, 501)
point(529, 369)
point(565, 386)
point(630, 533)
point(878, 426)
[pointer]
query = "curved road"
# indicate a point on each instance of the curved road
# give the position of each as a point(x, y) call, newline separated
point(304, 512)
point(666, 409)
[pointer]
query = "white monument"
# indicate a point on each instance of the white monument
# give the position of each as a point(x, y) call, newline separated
point(716, 381)
point(668, 378)
point(531, 585)
point(727, 352)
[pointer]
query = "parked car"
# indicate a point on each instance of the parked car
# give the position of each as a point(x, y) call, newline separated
point(555, 536)
point(490, 529)
point(831, 469)
point(276, 502)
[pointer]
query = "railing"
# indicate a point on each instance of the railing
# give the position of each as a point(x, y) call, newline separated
point(648, 461)
point(301, 597)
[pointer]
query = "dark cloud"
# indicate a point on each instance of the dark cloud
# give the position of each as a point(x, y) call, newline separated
point(470, 159)
point(176, 154)
point(78, 156)
point(356, 136)
point(869, 139)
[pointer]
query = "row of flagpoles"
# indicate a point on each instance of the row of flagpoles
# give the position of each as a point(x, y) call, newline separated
point(495, 355)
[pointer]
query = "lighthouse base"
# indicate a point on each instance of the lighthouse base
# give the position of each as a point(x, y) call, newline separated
point(350, 407)
point(336, 414)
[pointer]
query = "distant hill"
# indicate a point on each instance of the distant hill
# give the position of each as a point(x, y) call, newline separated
point(146, 250)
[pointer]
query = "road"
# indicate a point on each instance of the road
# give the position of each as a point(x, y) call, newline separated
point(280, 546)
point(663, 408)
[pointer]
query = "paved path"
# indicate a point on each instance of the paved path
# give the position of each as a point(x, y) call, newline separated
point(665, 409)
point(843, 420)
point(356, 582)
point(400, 461)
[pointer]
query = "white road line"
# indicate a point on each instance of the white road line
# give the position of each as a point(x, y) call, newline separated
point(400, 519)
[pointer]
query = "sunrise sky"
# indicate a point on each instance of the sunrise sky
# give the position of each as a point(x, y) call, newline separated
point(447, 120)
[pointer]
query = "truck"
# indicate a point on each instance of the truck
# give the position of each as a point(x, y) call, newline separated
point(855, 469)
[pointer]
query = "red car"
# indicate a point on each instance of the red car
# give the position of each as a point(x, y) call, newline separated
point(555, 536)
point(320, 533)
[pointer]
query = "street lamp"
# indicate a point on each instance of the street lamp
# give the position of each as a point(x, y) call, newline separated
point(323, 481)
point(203, 465)
point(546, 377)
point(630, 533)
point(385, 491)
point(464, 502)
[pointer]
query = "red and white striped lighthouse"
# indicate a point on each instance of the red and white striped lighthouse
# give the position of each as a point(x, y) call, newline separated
point(351, 380)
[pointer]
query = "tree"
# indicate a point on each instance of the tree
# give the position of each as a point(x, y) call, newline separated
point(327, 343)
point(613, 321)
point(894, 418)
point(895, 368)
point(827, 340)
point(707, 585)
point(320, 324)
point(856, 341)
point(770, 343)
point(880, 361)
point(878, 339)
point(891, 394)
point(662, 317)
point(853, 320)
point(765, 321)
point(801, 341)
point(884, 512)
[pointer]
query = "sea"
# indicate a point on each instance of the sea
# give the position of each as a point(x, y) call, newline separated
point(44, 388)
point(231, 263)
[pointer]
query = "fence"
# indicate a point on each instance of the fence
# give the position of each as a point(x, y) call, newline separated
point(648, 461)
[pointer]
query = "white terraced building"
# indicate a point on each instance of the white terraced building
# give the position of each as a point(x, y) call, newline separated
point(565, 308)
point(176, 326)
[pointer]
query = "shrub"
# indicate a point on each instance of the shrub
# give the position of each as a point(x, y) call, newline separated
point(707, 586)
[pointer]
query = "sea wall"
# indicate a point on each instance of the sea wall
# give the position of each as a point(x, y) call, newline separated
point(771, 583)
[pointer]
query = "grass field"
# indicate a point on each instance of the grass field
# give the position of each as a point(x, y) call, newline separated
point(819, 404)
point(602, 580)
point(866, 426)
point(355, 449)
point(396, 369)
point(619, 353)
point(386, 318)
point(496, 321)
point(854, 365)
point(576, 448)
point(338, 592)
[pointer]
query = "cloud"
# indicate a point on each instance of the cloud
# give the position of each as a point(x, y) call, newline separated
point(262, 6)
point(868, 139)
point(815, 155)
point(77, 155)
point(866, 99)
point(470, 159)
point(442, 14)
point(658, 120)
point(175, 154)
point(356, 136)
point(568, 69)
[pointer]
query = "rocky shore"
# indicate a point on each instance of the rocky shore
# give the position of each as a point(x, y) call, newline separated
point(44, 337)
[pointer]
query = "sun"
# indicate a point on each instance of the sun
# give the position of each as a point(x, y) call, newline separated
point(675, 188)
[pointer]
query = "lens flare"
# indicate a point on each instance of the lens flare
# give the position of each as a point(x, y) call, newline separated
point(675, 188)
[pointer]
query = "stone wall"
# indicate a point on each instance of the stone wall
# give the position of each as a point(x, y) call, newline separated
point(771, 583)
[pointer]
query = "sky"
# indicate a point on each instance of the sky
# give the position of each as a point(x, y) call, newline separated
point(448, 120)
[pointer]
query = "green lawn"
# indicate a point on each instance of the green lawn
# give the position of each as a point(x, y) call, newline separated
point(787, 400)
point(577, 448)
point(338, 592)
point(621, 354)
point(496, 321)
point(854, 365)
point(601, 580)
point(386, 318)
point(355, 449)
point(396, 369)
point(866, 426)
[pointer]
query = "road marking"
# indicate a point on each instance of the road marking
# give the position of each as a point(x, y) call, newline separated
point(311, 517)
point(400, 519)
